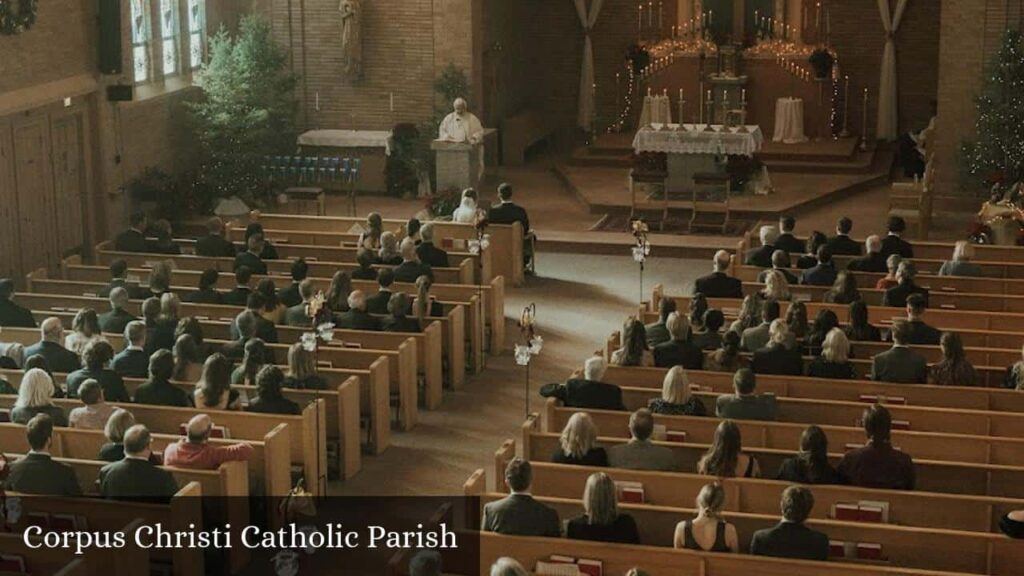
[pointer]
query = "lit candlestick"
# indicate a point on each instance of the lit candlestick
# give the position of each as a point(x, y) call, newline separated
point(661, 13)
point(650, 14)
point(846, 109)
point(744, 95)
point(681, 121)
point(649, 91)
point(864, 123)
point(640, 18)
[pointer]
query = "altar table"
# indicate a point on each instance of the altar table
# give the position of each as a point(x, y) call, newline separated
point(693, 151)
point(371, 146)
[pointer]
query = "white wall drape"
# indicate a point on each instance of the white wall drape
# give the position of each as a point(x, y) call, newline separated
point(586, 104)
point(888, 114)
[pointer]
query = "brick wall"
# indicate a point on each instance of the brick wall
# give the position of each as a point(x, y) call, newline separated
point(59, 46)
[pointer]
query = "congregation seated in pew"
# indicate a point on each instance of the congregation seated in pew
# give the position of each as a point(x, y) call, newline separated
point(725, 457)
point(762, 255)
point(745, 403)
point(708, 532)
point(756, 337)
point(119, 279)
point(786, 241)
point(357, 318)
point(896, 297)
point(338, 291)
point(823, 272)
point(858, 329)
point(780, 263)
point(709, 336)
point(159, 334)
point(719, 284)
point(776, 287)
point(578, 443)
point(873, 261)
point(132, 361)
point(158, 390)
point(188, 363)
point(378, 303)
point(676, 398)
point(95, 412)
point(411, 268)
point(213, 244)
point(892, 268)
point(634, 350)
point(292, 295)
point(899, 364)
point(136, 477)
point(252, 360)
point(213, 391)
point(844, 289)
point(727, 357)
point(824, 323)
point(302, 370)
point(250, 257)
point(588, 391)
point(893, 243)
point(954, 369)
point(35, 396)
point(270, 399)
point(781, 355)
point(97, 356)
point(239, 295)
point(961, 265)
point(841, 244)
point(809, 259)
point(810, 465)
point(195, 450)
point(205, 292)
point(37, 472)
point(834, 359)
point(679, 349)
point(115, 320)
point(640, 452)
point(398, 319)
point(601, 520)
point(51, 347)
point(791, 538)
point(657, 332)
point(519, 514)
point(877, 464)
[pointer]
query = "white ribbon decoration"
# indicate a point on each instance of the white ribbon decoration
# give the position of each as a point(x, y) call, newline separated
point(586, 104)
point(888, 113)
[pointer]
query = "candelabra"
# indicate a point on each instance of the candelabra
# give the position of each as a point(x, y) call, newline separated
point(532, 345)
point(641, 249)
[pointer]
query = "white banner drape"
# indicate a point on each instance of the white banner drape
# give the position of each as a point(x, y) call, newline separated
point(888, 114)
point(586, 103)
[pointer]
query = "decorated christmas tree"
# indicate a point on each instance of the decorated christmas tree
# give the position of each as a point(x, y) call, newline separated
point(997, 154)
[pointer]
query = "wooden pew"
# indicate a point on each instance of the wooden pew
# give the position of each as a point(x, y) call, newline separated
point(44, 561)
point(662, 561)
point(930, 249)
point(307, 433)
point(184, 509)
point(922, 548)
point(762, 496)
point(506, 240)
point(785, 435)
point(932, 475)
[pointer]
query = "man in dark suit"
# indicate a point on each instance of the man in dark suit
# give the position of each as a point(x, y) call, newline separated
point(397, 319)
point(745, 404)
point(508, 212)
point(133, 362)
point(873, 261)
point(12, 315)
point(679, 350)
point(823, 273)
point(718, 284)
point(378, 303)
point(920, 333)
point(250, 257)
point(590, 392)
point(877, 464)
point(37, 472)
point(787, 241)
point(207, 292)
point(240, 294)
point(896, 297)
point(427, 252)
point(781, 355)
point(791, 538)
point(894, 243)
point(757, 337)
point(265, 329)
point(899, 364)
point(518, 514)
point(119, 278)
point(411, 268)
point(357, 318)
point(296, 315)
point(159, 334)
point(841, 244)
point(290, 296)
point(58, 358)
point(135, 477)
point(133, 239)
point(114, 321)
point(214, 245)
point(780, 262)
point(246, 323)
point(762, 255)
point(657, 332)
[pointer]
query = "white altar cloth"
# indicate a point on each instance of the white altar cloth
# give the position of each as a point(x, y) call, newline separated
point(696, 141)
point(657, 110)
point(789, 121)
point(348, 139)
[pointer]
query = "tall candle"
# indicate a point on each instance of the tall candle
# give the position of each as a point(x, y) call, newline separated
point(744, 95)
point(661, 13)
point(391, 101)
point(640, 18)
point(317, 100)
point(650, 13)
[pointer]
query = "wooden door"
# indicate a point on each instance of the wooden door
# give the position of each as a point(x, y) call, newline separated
point(68, 182)
point(10, 246)
point(34, 182)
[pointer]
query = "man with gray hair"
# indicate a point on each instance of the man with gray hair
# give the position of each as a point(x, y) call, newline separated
point(461, 125)
point(357, 318)
point(719, 284)
point(115, 321)
point(873, 261)
point(896, 296)
point(135, 477)
point(762, 255)
point(428, 252)
point(679, 350)
point(588, 391)
point(51, 347)
point(411, 268)
point(133, 362)
point(195, 450)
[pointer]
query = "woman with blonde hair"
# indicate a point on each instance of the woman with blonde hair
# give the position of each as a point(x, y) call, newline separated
point(170, 307)
point(426, 305)
point(35, 396)
point(578, 443)
point(214, 388)
point(506, 566)
point(961, 265)
point(708, 532)
point(675, 396)
point(834, 361)
point(749, 316)
point(85, 329)
point(302, 370)
point(725, 456)
point(601, 520)
point(118, 423)
point(776, 287)
point(388, 253)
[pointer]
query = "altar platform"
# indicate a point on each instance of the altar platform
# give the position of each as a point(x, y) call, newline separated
point(804, 176)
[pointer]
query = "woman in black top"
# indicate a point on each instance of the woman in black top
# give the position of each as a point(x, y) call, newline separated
point(269, 252)
point(252, 361)
point(796, 319)
point(859, 330)
point(823, 324)
point(158, 390)
point(725, 457)
point(191, 326)
point(675, 396)
point(578, 444)
point(337, 294)
point(710, 336)
point(834, 360)
point(271, 400)
point(601, 521)
point(97, 354)
point(810, 465)
point(955, 369)
point(302, 372)
point(689, 533)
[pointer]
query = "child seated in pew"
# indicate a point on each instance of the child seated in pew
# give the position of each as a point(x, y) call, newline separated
point(270, 399)
point(725, 457)
point(601, 520)
point(95, 412)
point(810, 465)
point(578, 443)
point(708, 532)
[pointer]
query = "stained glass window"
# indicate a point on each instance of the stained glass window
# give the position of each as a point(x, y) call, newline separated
point(140, 40)
point(196, 31)
point(169, 35)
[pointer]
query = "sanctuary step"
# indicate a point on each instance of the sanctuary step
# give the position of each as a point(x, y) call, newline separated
point(858, 163)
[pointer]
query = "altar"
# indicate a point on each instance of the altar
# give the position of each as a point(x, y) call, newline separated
point(694, 150)
point(372, 147)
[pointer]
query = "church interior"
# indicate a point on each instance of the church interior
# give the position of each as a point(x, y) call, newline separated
point(592, 287)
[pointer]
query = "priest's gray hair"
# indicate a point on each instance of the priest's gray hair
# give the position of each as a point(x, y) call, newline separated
point(460, 102)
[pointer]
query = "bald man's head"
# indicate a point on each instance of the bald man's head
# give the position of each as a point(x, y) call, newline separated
point(722, 260)
point(198, 429)
point(52, 330)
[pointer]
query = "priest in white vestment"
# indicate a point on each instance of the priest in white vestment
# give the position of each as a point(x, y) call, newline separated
point(464, 127)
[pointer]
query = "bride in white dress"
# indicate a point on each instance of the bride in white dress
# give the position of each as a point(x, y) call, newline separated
point(467, 211)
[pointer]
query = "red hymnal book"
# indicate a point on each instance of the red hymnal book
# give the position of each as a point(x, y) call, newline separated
point(901, 424)
point(869, 551)
point(590, 567)
point(676, 436)
point(62, 523)
point(846, 511)
point(874, 511)
point(632, 492)
point(836, 548)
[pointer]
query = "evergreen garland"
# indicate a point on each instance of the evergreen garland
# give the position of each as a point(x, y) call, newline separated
point(14, 23)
